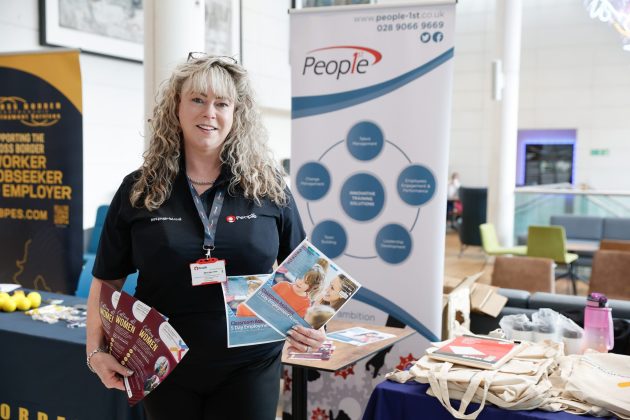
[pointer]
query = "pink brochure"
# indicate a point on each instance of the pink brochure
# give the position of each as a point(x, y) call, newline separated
point(130, 314)
point(107, 308)
point(154, 354)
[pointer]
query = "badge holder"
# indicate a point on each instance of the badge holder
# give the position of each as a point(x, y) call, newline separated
point(208, 270)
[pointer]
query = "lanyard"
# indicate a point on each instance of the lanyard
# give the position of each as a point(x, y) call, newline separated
point(209, 222)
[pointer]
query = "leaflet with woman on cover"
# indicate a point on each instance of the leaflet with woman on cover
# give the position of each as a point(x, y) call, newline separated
point(358, 336)
point(306, 289)
point(243, 330)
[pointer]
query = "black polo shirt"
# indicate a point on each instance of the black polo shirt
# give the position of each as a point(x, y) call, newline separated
point(162, 243)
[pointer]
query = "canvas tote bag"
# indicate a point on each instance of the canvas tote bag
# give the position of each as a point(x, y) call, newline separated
point(520, 384)
point(598, 381)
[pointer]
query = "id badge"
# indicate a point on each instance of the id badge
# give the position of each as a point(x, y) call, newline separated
point(207, 271)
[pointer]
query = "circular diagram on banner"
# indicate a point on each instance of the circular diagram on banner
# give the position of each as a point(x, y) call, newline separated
point(416, 185)
point(365, 140)
point(393, 243)
point(313, 181)
point(330, 237)
point(362, 196)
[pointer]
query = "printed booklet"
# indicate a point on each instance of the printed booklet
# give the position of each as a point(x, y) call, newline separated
point(476, 351)
point(141, 339)
point(358, 336)
point(306, 289)
point(243, 327)
point(324, 352)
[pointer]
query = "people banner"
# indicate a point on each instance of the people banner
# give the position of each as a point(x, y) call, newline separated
point(371, 109)
point(41, 170)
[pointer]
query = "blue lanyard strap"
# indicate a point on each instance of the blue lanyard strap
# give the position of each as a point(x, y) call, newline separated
point(209, 222)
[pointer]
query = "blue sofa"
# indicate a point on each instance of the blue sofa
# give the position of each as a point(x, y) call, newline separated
point(592, 228)
point(522, 302)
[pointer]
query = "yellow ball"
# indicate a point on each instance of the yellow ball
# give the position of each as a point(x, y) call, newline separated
point(9, 305)
point(2, 299)
point(22, 303)
point(35, 298)
point(4, 295)
point(19, 293)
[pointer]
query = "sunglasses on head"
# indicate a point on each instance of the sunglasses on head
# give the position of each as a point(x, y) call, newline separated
point(200, 55)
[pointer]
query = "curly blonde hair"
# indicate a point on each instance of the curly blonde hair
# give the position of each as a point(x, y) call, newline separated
point(245, 150)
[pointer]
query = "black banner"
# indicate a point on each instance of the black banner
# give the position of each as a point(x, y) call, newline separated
point(41, 171)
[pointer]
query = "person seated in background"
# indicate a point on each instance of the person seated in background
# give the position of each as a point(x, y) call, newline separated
point(453, 205)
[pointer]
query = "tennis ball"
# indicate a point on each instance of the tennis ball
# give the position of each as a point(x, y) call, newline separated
point(4, 294)
point(9, 305)
point(35, 298)
point(22, 303)
point(19, 293)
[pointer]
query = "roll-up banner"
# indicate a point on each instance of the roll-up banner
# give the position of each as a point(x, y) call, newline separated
point(371, 112)
point(41, 170)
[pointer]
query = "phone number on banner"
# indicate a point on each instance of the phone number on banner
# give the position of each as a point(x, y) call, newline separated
point(409, 26)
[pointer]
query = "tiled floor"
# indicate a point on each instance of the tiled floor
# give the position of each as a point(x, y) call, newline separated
point(473, 260)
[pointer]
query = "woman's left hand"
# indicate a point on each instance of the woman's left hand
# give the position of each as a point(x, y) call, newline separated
point(305, 340)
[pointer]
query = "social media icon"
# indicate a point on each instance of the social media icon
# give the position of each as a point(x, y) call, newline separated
point(438, 36)
point(425, 37)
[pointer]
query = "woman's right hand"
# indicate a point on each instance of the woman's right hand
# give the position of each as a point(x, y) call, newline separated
point(109, 371)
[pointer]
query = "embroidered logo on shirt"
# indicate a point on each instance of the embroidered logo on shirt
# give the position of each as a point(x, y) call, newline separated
point(231, 218)
point(166, 219)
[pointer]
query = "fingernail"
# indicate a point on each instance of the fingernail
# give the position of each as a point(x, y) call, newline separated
point(295, 327)
point(290, 332)
point(129, 372)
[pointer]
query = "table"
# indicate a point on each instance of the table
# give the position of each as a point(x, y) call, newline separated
point(344, 355)
point(582, 247)
point(391, 400)
point(42, 370)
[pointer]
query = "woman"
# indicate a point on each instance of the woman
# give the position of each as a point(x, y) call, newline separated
point(338, 292)
point(207, 142)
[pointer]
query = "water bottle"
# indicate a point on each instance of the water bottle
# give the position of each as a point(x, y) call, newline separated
point(598, 325)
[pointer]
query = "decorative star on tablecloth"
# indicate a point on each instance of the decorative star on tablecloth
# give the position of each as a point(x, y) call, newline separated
point(319, 414)
point(406, 362)
point(344, 373)
point(287, 381)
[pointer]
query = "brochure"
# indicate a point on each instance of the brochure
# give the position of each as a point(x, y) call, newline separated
point(324, 352)
point(152, 357)
point(140, 338)
point(306, 289)
point(358, 336)
point(129, 314)
point(476, 351)
point(107, 309)
point(243, 327)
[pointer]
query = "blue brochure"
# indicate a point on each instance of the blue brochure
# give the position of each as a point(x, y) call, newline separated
point(306, 289)
point(244, 328)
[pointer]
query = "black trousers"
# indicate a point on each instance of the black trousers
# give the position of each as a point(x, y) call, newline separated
point(247, 391)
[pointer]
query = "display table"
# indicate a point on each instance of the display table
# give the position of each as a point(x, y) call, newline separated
point(42, 369)
point(343, 356)
point(391, 400)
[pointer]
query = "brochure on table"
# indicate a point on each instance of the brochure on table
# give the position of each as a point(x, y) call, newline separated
point(358, 336)
point(141, 339)
point(245, 330)
point(476, 351)
point(306, 289)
